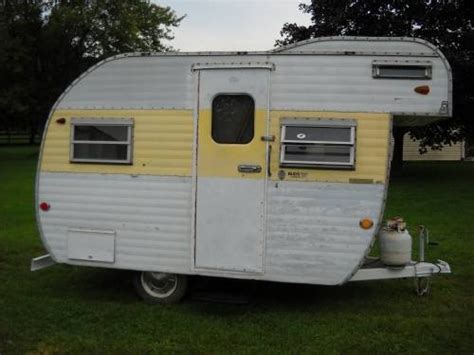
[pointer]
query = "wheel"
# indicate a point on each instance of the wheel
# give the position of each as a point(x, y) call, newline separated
point(158, 287)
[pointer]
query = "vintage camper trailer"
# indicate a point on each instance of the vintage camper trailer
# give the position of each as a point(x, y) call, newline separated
point(256, 165)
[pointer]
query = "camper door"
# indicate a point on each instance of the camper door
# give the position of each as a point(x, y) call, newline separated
point(231, 168)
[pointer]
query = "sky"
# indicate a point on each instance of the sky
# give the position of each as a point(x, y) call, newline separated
point(232, 25)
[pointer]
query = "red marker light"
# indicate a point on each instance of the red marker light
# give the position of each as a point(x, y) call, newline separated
point(423, 90)
point(44, 206)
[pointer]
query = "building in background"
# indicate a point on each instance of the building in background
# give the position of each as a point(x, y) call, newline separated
point(459, 151)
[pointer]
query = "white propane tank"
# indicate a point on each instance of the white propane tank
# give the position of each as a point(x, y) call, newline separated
point(395, 243)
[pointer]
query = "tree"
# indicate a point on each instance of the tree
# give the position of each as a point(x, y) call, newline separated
point(45, 45)
point(447, 24)
point(20, 28)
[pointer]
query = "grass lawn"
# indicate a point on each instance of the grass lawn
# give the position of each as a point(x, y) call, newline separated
point(67, 309)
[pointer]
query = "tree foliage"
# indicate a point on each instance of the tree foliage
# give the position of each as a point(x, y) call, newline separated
point(45, 45)
point(447, 24)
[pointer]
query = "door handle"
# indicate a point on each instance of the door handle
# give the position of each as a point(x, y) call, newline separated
point(269, 161)
point(247, 168)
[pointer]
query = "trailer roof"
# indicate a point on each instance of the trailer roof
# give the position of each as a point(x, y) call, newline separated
point(310, 46)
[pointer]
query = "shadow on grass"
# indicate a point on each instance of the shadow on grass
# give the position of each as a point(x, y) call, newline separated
point(215, 296)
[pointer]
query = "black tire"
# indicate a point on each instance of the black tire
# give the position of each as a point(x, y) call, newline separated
point(160, 288)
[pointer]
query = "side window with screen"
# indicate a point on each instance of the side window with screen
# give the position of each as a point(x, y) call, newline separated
point(233, 119)
point(105, 141)
point(318, 145)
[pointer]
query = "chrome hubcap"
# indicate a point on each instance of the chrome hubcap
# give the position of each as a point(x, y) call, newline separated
point(158, 284)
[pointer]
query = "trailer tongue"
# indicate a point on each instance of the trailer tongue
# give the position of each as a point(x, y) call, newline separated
point(374, 268)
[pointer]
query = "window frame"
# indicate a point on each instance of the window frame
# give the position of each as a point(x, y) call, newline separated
point(427, 65)
point(124, 122)
point(212, 115)
point(341, 123)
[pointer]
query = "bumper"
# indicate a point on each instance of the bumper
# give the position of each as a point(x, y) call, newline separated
point(42, 262)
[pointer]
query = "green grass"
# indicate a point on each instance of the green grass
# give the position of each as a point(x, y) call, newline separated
point(67, 309)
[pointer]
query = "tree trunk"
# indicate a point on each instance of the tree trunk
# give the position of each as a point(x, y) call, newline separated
point(397, 160)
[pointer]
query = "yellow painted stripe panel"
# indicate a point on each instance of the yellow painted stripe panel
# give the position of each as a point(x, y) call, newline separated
point(222, 160)
point(372, 148)
point(162, 143)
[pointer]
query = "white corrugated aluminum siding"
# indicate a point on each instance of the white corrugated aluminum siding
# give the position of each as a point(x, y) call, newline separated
point(311, 81)
point(313, 232)
point(151, 216)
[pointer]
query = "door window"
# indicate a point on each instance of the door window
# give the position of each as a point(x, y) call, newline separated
point(233, 119)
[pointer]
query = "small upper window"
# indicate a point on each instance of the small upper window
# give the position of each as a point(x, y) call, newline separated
point(401, 69)
point(106, 141)
point(233, 119)
point(321, 144)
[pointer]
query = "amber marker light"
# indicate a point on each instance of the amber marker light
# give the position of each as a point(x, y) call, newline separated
point(44, 206)
point(366, 223)
point(423, 89)
point(61, 120)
